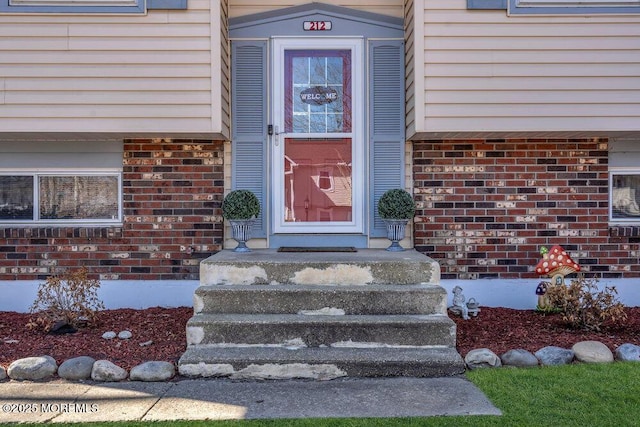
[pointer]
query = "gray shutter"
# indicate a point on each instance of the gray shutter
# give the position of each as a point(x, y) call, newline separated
point(249, 113)
point(487, 4)
point(387, 126)
point(166, 4)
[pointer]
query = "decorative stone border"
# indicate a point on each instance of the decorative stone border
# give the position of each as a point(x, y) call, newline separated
point(86, 368)
point(584, 352)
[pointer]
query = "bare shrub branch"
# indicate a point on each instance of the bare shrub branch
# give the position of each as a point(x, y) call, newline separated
point(71, 298)
point(583, 306)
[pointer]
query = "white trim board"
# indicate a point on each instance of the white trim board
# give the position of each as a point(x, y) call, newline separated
point(19, 295)
point(521, 293)
point(511, 293)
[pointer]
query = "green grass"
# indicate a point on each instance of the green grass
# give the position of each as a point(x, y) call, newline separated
point(573, 395)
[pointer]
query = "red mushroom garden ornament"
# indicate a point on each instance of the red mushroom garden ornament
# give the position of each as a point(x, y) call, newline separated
point(556, 264)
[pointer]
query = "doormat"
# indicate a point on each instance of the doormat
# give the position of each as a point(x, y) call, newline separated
point(317, 249)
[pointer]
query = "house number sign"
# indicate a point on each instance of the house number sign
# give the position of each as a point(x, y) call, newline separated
point(317, 25)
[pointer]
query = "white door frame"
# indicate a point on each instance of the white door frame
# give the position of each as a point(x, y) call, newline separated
point(357, 134)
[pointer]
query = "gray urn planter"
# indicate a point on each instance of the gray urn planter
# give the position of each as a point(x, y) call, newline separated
point(241, 232)
point(395, 233)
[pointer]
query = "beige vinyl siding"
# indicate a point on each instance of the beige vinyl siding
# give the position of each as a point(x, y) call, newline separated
point(487, 74)
point(82, 75)
point(248, 7)
point(409, 72)
point(225, 68)
point(409, 60)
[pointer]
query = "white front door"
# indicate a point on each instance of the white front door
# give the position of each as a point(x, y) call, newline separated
point(318, 150)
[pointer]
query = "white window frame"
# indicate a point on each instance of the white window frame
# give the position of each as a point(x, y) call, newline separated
point(73, 6)
point(579, 7)
point(36, 221)
point(73, 2)
point(621, 171)
point(579, 3)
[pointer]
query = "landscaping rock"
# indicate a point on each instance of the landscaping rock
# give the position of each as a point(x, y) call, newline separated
point(3, 373)
point(109, 335)
point(103, 370)
point(32, 368)
point(519, 357)
point(628, 353)
point(78, 368)
point(62, 327)
point(592, 352)
point(553, 356)
point(125, 335)
point(482, 358)
point(152, 371)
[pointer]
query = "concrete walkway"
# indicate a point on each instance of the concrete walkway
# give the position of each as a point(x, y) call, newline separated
point(61, 401)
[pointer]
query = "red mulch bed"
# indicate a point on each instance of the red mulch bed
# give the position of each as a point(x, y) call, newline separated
point(164, 326)
point(499, 329)
point(503, 329)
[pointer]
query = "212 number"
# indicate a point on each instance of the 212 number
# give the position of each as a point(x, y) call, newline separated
point(317, 26)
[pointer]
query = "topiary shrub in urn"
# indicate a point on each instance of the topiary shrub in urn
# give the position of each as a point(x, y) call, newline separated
point(240, 208)
point(396, 207)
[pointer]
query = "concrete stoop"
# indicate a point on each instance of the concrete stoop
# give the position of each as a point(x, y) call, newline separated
point(269, 315)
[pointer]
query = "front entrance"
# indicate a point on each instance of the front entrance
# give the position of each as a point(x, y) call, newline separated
point(318, 122)
point(318, 150)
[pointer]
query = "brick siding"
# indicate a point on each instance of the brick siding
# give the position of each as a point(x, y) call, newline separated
point(172, 192)
point(485, 207)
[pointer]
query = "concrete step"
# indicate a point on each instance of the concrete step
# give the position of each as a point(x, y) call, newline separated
point(265, 314)
point(365, 267)
point(319, 330)
point(292, 299)
point(319, 363)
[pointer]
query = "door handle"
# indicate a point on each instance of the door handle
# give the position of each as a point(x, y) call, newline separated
point(276, 134)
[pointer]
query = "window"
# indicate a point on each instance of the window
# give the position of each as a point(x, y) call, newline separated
point(325, 180)
point(16, 197)
point(88, 6)
point(72, 6)
point(318, 87)
point(625, 193)
point(325, 215)
point(60, 197)
point(554, 7)
point(624, 181)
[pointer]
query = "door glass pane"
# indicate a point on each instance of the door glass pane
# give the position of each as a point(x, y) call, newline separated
point(317, 91)
point(317, 180)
